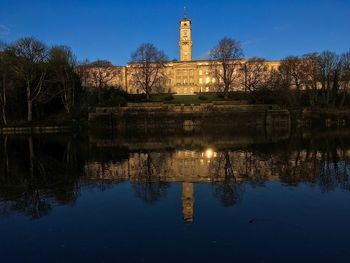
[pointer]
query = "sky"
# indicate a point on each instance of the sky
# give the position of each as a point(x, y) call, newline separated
point(113, 29)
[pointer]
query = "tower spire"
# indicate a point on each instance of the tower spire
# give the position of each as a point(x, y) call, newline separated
point(185, 42)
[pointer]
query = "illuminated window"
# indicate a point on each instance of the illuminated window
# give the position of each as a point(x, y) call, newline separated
point(213, 80)
point(200, 81)
point(200, 72)
point(207, 89)
point(207, 80)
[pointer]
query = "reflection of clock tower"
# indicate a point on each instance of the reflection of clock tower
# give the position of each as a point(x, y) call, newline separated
point(185, 42)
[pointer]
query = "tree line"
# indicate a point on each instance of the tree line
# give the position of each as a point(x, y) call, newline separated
point(322, 78)
point(315, 79)
point(37, 80)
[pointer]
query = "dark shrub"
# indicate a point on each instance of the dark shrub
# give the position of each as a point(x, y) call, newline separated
point(202, 97)
point(169, 98)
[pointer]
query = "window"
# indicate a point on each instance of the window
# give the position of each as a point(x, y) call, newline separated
point(178, 80)
point(200, 72)
point(213, 80)
point(207, 80)
point(200, 81)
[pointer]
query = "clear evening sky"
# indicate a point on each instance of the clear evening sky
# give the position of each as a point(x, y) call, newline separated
point(113, 29)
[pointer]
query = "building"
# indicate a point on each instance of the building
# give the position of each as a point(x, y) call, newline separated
point(184, 77)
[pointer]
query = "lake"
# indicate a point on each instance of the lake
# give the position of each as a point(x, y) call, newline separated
point(169, 197)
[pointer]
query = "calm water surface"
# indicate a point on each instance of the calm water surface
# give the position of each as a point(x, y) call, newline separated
point(167, 198)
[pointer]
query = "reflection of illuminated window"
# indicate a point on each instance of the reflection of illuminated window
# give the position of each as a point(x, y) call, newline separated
point(209, 153)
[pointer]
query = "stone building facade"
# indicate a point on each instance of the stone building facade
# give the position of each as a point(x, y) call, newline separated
point(184, 77)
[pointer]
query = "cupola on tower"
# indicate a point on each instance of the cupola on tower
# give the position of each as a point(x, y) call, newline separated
point(185, 42)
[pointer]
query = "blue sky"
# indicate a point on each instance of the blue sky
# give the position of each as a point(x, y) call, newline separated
point(113, 29)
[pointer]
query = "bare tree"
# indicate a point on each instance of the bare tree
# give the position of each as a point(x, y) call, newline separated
point(101, 72)
point(254, 75)
point(292, 69)
point(31, 56)
point(329, 71)
point(310, 68)
point(344, 76)
point(82, 70)
point(148, 68)
point(62, 64)
point(98, 74)
point(226, 59)
point(4, 72)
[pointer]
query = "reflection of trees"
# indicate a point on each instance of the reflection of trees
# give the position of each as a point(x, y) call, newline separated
point(150, 183)
point(321, 162)
point(334, 171)
point(37, 176)
point(37, 173)
point(226, 187)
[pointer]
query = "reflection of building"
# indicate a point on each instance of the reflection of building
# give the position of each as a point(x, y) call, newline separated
point(226, 168)
point(183, 77)
point(187, 201)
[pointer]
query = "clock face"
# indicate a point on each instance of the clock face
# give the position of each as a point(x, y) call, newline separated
point(185, 33)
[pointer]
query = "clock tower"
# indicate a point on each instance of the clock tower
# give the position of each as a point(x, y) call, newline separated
point(185, 42)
